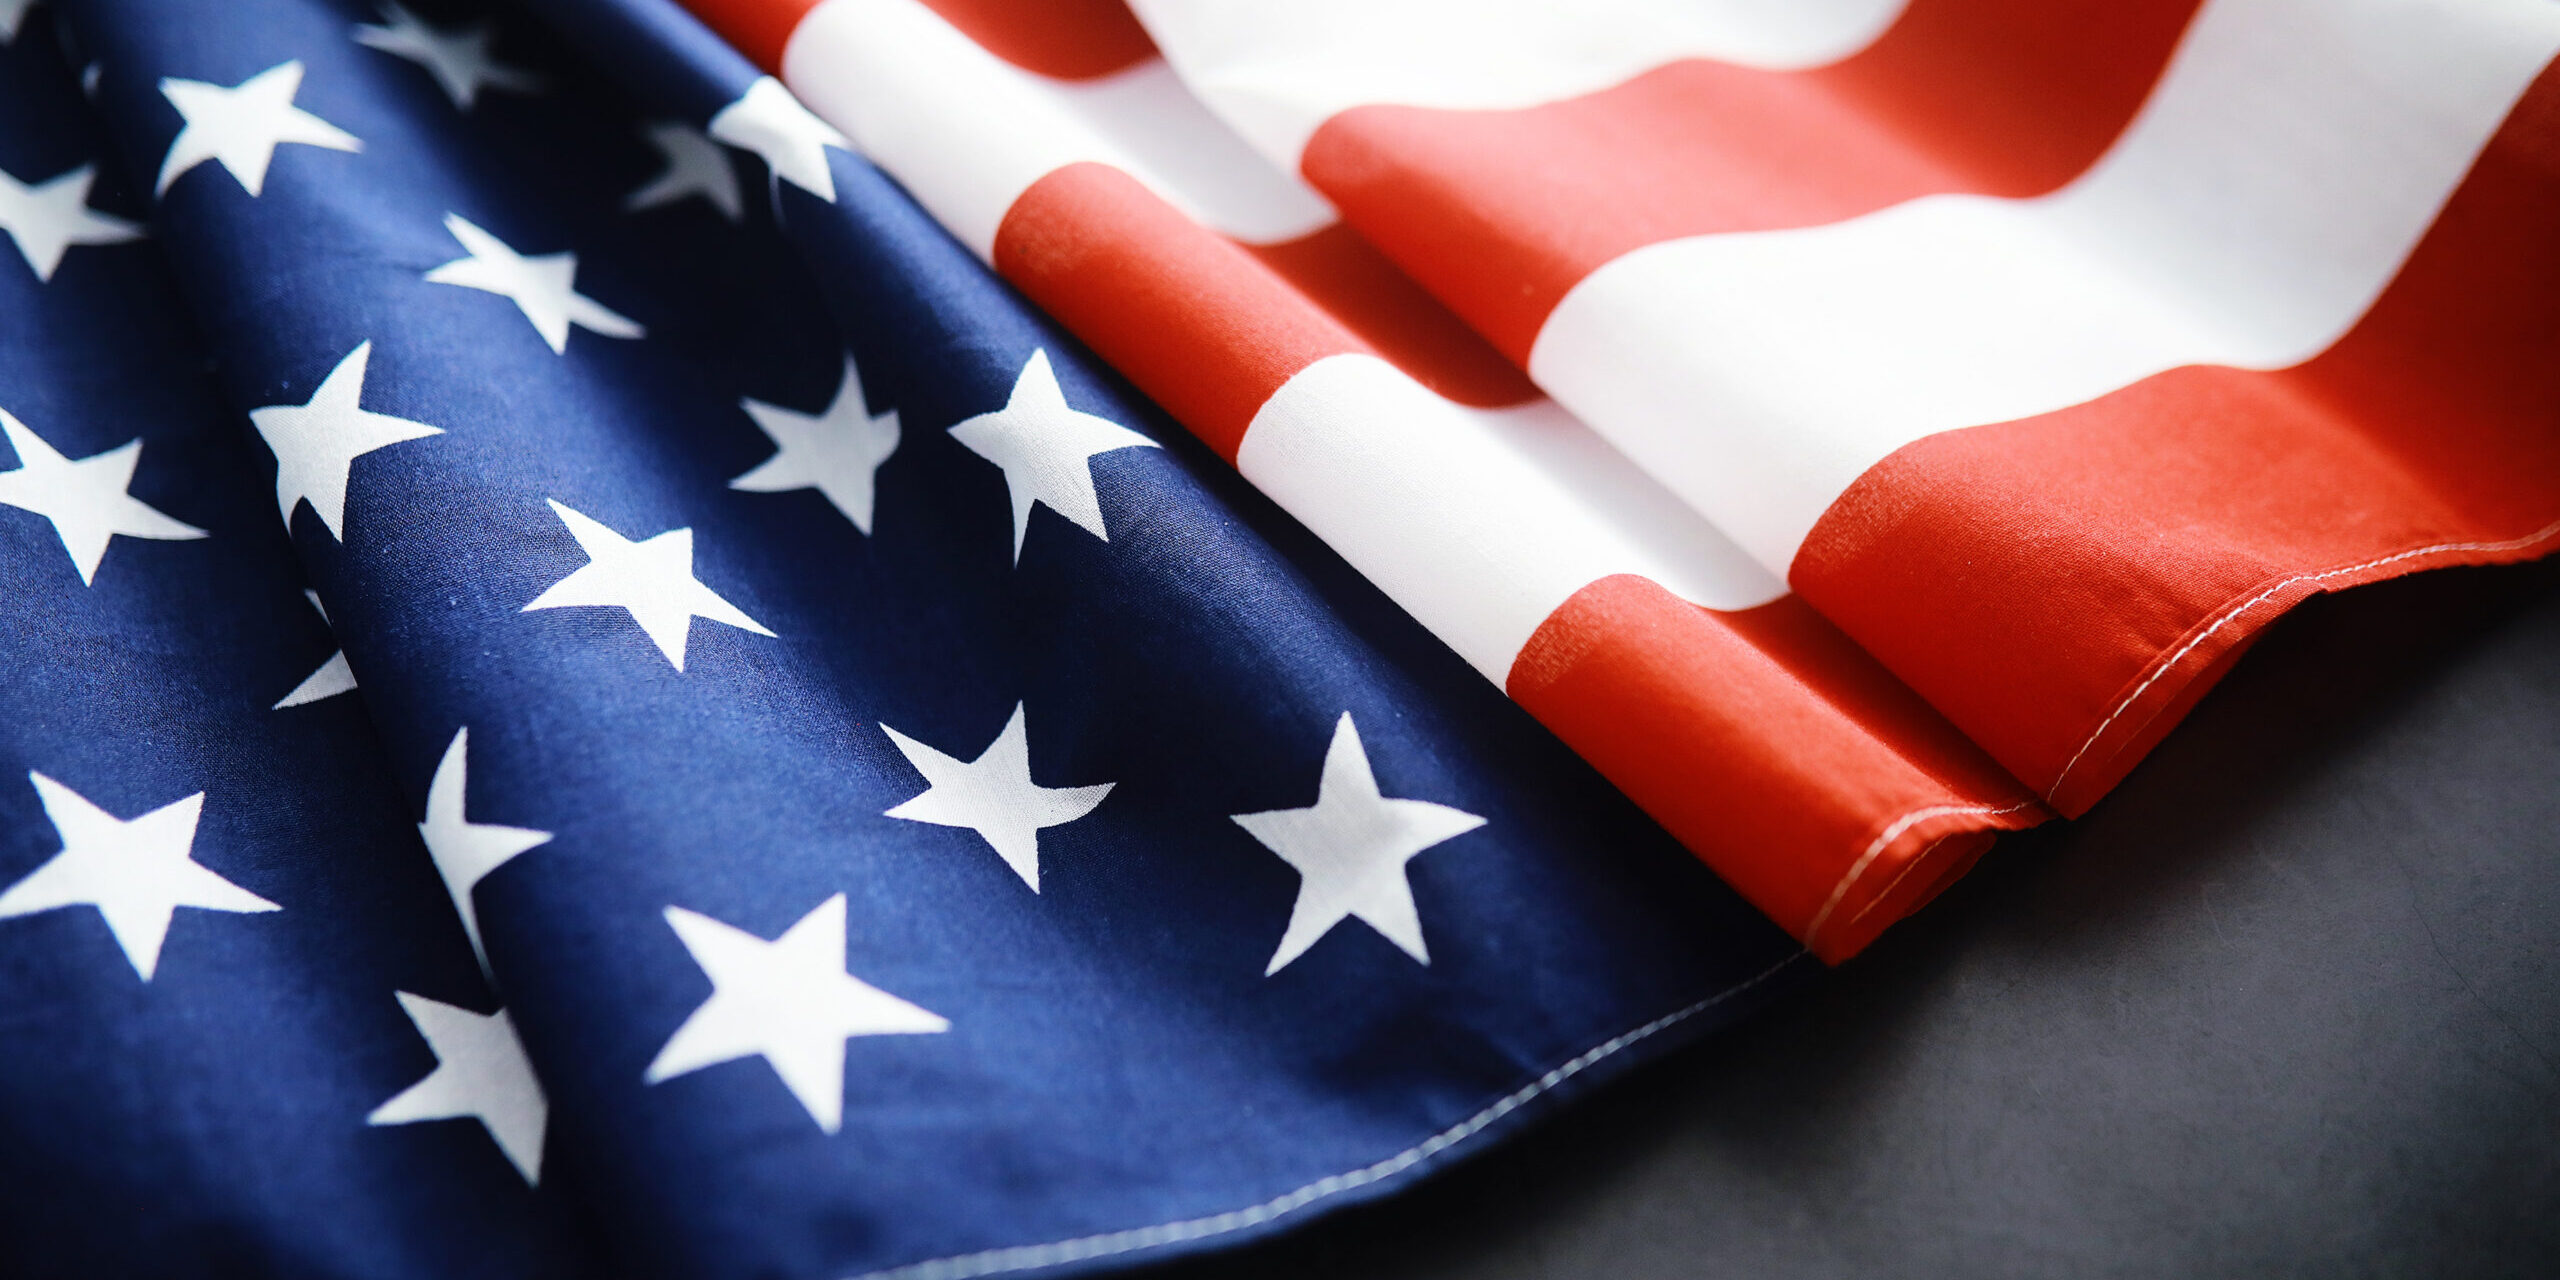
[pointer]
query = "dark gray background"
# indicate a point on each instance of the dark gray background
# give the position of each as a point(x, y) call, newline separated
point(2287, 1003)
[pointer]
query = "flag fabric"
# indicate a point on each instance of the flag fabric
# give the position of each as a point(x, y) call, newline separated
point(1795, 765)
point(1944, 393)
point(2254, 300)
point(925, 638)
point(239, 1007)
point(747, 752)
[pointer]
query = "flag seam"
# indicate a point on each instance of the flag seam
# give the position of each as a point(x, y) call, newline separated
point(1910, 865)
point(1028, 1257)
point(1885, 839)
point(2229, 615)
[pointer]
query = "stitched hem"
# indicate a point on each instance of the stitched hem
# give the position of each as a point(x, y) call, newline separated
point(2231, 614)
point(1083, 1248)
point(1884, 840)
point(1911, 864)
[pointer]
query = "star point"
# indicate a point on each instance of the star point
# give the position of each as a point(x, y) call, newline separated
point(333, 678)
point(1046, 447)
point(789, 1001)
point(85, 498)
point(836, 451)
point(136, 871)
point(465, 852)
point(696, 166)
point(317, 442)
point(994, 795)
point(1350, 849)
point(770, 122)
point(45, 219)
point(481, 1074)
point(459, 59)
point(541, 286)
point(242, 125)
point(652, 580)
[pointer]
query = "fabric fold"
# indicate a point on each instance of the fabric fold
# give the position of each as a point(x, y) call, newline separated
point(2051, 355)
point(1780, 755)
point(924, 814)
point(245, 1034)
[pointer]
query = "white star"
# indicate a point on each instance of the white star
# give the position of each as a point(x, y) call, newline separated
point(481, 1073)
point(49, 217)
point(1044, 447)
point(1350, 849)
point(242, 126)
point(652, 580)
point(84, 498)
point(695, 167)
point(539, 285)
point(767, 120)
point(466, 851)
point(317, 441)
point(835, 451)
point(789, 1000)
point(459, 59)
point(333, 678)
point(12, 13)
point(994, 795)
point(137, 872)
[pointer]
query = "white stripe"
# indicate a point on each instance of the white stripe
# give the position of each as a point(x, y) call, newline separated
point(966, 131)
point(2291, 158)
point(1480, 522)
point(1278, 70)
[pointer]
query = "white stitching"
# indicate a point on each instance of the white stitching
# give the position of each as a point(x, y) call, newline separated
point(2509, 544)
point(1026, 1257)
point(1813, 929)
point(1913, 863)
point(1892, 833)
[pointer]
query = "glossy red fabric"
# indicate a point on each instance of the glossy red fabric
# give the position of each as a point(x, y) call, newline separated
point(2082, 574)
point(759, 28)
point(1062, 39)
point(1210, 328)
point(1777, 750)
point(2036, 600)
point(1499, 213)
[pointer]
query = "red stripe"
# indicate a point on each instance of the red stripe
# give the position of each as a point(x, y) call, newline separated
point(1499, 213)
point(759, 28)
point(1338, 272)
point(1773, 748)
point(1210, 328)
point(2065, 586)
point(1060, 39)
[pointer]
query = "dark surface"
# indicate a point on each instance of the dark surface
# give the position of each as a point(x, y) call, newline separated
point(2288, 1003)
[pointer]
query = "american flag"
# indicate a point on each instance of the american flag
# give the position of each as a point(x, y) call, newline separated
point(1944, 392)
point(942, 639)
point(749, 752)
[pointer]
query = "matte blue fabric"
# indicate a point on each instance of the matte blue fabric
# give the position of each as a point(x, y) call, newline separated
point(209, 1121)
point(1119, 1076)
